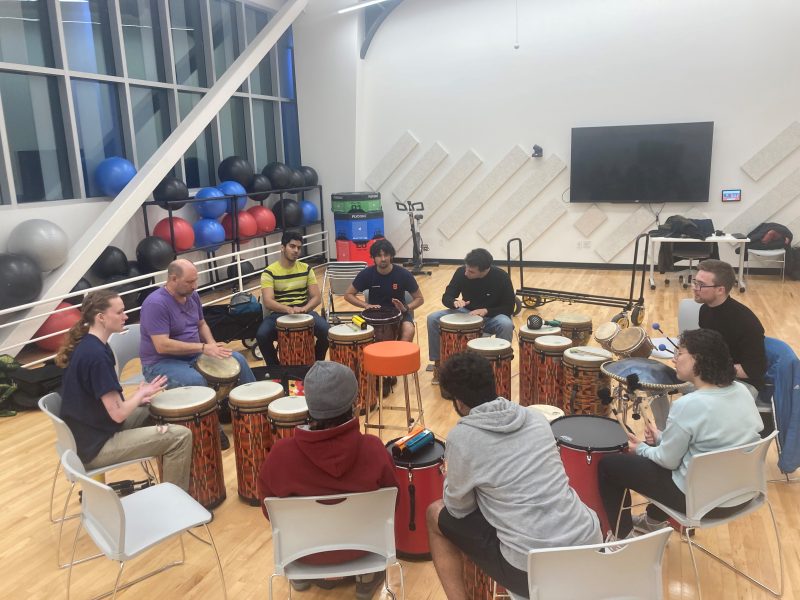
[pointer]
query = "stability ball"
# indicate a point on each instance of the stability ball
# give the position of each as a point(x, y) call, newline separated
point(236, 168)
point(233, 188)
point(265, 219)
point(83, 284)
point(184, 234)
point(20, 280)
point(154, 253)
point(309, 175)
point(135, 270)
point(40, 240)
point(310, 212)
point(112, 261)
point(247, 225)
point(208, 232)
point(260, 183)
point(247, 269)
point(57, 322)
point(210, 209)
point(171, 192)
point(129, 300)
point(278, 174)
point(287, 213)
point(296, 179)
point(113, 174)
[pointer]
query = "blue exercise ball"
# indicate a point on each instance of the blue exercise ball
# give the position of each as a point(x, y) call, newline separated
point(234, 188)
point(210, 209)
point(20, 280)
point(310, 212)
point(113, 174)
point(208, 232)
point(42, 241)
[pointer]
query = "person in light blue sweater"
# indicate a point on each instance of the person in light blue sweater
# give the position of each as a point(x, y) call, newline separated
point(719, 414)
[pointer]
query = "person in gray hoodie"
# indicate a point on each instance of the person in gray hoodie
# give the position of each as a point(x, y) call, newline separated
point(505, 491)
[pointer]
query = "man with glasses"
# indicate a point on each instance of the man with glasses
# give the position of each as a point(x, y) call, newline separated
point(740, 328)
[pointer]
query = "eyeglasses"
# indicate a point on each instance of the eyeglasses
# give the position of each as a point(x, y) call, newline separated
point(699, 285)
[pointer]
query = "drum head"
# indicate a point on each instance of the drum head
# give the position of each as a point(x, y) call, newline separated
point(552, 343)
point(350, 333)
point(184, 401)
point(531, 334)
point(551, 413)
point(384, 314)
point(295, 321)
point(218, 369)
point(574, 319)
point(459, 320)
point(606, 331)
point(653, 375)
point(288, 408)
point(628, 339)
point(588, 356)
point(255, 394)
point(428, 456)
point(491, 346)
point(589, 432)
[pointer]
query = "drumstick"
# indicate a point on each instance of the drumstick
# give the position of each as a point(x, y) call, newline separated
point(589, 353)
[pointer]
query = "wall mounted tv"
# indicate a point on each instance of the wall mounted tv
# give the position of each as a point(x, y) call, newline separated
point(641, 163)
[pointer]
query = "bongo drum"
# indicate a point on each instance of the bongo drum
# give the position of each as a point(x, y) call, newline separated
point(295, 339)
point(527, 355)
point(456, 330)
point(386, 322)
point(548, 373)
point(583, 441)
point(421, 479)
point(196, 407)
point(632, 342)
point(252, 439)
point(583, 379)
point(347, 348)
point(606, 333)
point(220, 373)
point(577, 327)
point(479, 585)
point(499, 353)
point(551, 413)
point(285, 414)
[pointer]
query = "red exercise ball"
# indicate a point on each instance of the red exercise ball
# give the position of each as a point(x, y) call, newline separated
point(265, 219)
point(247, 225)
point(184, 234)
point(57, 322)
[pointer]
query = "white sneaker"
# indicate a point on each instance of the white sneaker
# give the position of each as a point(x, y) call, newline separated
point(644, 524)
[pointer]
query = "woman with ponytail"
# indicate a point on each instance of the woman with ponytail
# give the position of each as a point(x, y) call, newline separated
point(108, 427)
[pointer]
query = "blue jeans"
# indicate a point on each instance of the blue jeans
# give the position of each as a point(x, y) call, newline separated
point(267, 335)
point(181, 372)
point(500, 325)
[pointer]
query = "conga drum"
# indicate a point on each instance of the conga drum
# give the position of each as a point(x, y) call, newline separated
point(583, 379)
point(285, 414)
point(196, 407)
point(632, 342)
point(548, 372)
point(252, 438)
point(421, 479)
point(456, 330)
point(551, 413)
point(479, 585)
point(220, 373)
point(606, 333)
point(583, 441)
point(499, 353)
point(386, 321)
point(347, 348)
point(527, 355)
point(577, 327)
point(295, 339)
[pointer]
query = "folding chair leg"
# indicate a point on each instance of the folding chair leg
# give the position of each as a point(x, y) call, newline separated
point(53, 492)
point(687, 537)
point(116, 582)
point(402, 583)
point(219, 562)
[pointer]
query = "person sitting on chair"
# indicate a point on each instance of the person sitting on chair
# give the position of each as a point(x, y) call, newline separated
point(484, 290)
point(108, 427)
point(328, 456)
point(505, 491)
point(719, 414)
point(387, 284)
point(289, 287)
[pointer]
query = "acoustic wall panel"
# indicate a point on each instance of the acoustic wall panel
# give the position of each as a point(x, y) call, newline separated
point(478, 198)
point(766, 206)
point(420, 172)
point(590, 220)
point(624, 234)
point(546, 214)
point(771, 155)
point(544, 172)
point(391, 160)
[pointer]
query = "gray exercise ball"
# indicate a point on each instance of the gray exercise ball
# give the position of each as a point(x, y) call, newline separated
point(44, 242)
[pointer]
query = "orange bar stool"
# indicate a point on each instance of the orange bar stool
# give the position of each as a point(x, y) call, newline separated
point(392, 359)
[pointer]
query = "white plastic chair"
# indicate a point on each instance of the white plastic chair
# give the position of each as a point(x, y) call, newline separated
point(768, 256)
point(358, 521)
point(688, 318)
point(625, 569)
point(51, 406)
point(714, 478)
point(125, 346)
point(123, 528)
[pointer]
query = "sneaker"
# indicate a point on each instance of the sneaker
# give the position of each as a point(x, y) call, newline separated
point(224, 442)
point(367, 584)
point(644, 524)
point(300, 585)
point(435, 378)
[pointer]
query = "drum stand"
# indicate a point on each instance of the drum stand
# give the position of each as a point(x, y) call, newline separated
point(417, 263)
point(625, 401)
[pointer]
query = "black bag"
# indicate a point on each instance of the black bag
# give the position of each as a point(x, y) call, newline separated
point(793, 263)
point(32, 384)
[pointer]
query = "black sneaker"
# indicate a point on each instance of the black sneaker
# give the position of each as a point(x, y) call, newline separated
point(224, 442)
point(300, 585)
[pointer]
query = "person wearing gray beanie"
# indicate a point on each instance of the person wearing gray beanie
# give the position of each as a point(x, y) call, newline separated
point(331, 389)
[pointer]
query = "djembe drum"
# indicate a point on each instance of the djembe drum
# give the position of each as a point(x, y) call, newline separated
point(285, 414)
point(606, 333)
point(500, 354)
point(220, 374)
point(583, 379)
point(347, 348)
point(632, 342)
point(386, 321)
point(456, 330)
point(577, 327)
point(295, 339)
point(548, 370)
point(527, 355)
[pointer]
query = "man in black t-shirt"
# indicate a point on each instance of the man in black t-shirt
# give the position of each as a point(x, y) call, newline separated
point(385, 285)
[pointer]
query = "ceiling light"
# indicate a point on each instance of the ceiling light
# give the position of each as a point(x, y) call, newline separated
point(359, 5)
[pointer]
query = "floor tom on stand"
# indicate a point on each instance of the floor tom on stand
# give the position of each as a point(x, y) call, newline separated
point(346, 346)
point(632, 342)
point(527, 355)
point(500, 354)
point(386, 321)
point(285, 414)
point(548, 372)
point(583, 379)
point(456, 330)
point(295, 339)
point(577, 327)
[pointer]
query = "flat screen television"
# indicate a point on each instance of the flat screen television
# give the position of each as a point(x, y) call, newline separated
point(641, 163)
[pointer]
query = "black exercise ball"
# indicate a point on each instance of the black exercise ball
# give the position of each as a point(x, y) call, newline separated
point(309, 175)
point(111, 262)
point(287, 213)
point(128, 299)
point(83, 284)
point(278, 174)
point(296, 179)
point(135, 270)
point(20, 280)
point(247, 269)
point(260, 183)
point(142, 296)
point(236, 168)
point(154, 254)
point(171, 192)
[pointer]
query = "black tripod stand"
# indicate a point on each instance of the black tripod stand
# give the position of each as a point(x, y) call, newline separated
point(417, 264)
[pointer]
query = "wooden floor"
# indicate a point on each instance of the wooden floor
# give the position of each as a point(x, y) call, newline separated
point(27, 545)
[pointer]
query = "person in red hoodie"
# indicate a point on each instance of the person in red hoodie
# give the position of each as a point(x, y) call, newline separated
point(330, 455)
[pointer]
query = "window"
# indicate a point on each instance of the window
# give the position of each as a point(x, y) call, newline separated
point(225, 33)
point(264, 132)
point(232, 130)
point(261, 77)
point(187, 42)
point(87, 36)
point(25, 33)
point(199, 159)
point(150, 120)
point(142, 33)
